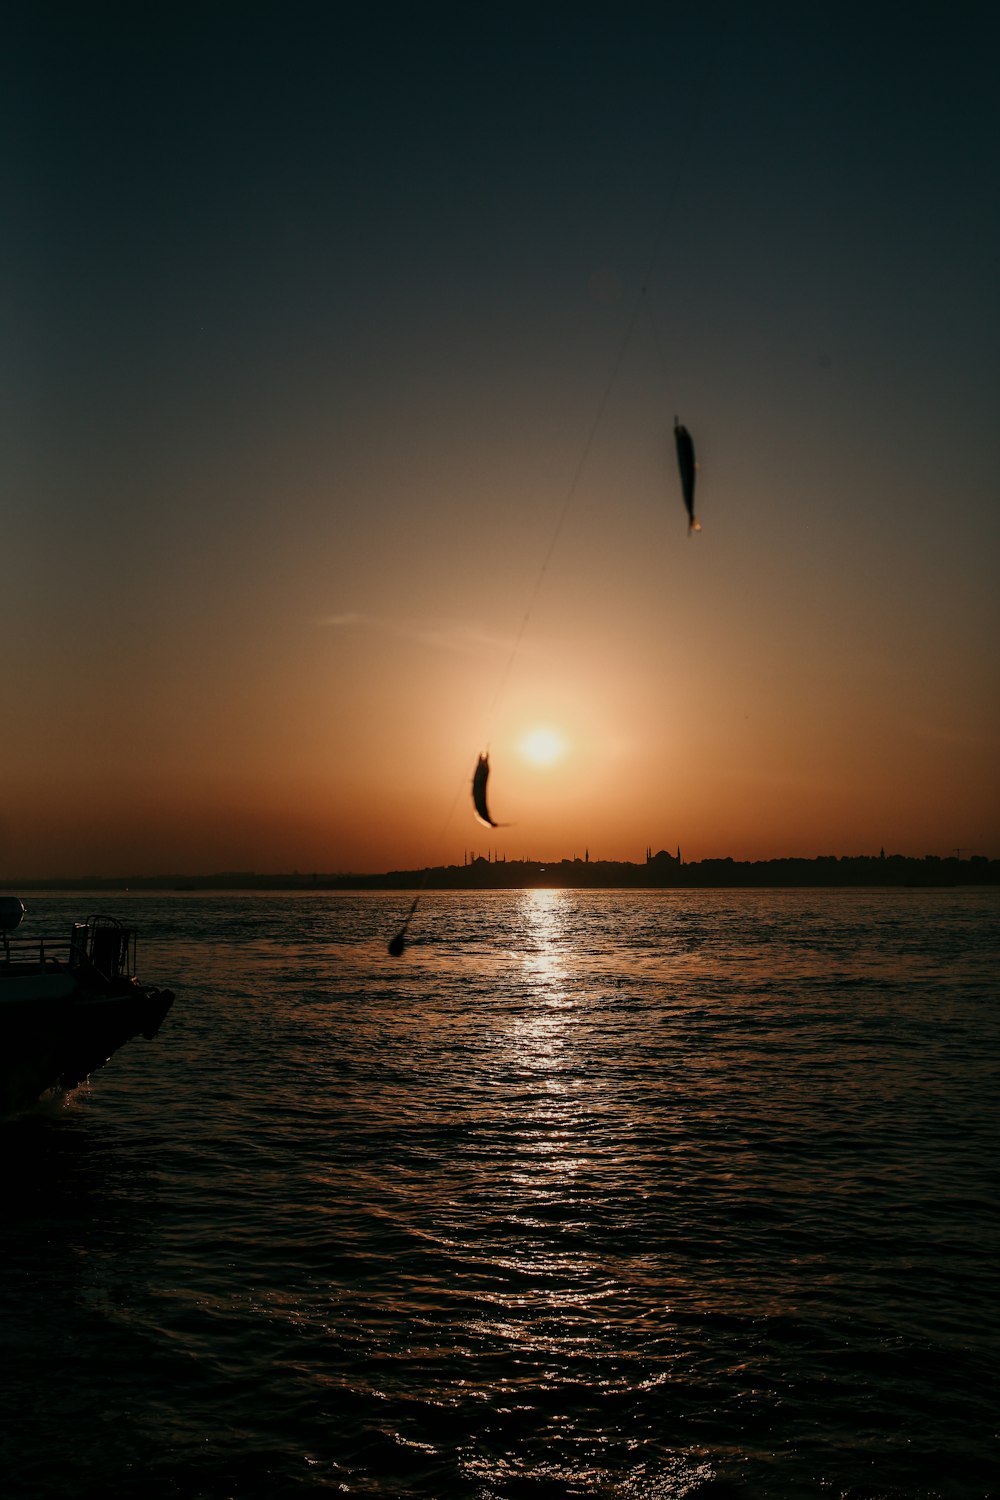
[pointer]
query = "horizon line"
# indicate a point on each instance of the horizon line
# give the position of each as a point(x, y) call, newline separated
point(478, 861)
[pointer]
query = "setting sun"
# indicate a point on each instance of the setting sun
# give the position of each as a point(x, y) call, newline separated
point(542, 746)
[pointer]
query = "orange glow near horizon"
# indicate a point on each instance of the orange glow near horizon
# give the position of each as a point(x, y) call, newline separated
point(355, 752)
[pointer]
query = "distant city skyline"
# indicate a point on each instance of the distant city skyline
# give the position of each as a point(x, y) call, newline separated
point(659, 870)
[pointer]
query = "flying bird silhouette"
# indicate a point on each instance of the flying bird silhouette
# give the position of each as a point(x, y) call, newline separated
point(687, 466)
point(479, 781)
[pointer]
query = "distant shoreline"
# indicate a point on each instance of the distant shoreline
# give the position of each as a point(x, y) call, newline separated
point(661, 872)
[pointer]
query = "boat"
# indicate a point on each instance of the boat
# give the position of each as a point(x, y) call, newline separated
point(67, 1006)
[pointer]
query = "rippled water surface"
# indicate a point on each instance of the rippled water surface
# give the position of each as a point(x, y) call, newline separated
point(632, 1195)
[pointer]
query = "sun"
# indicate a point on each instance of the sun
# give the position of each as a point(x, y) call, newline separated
point(543, 746)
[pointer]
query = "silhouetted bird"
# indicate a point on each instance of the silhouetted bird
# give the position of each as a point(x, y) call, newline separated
point(479, 781)
point(687, 466)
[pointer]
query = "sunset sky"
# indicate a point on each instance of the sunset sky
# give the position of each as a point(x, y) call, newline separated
point(340, 364)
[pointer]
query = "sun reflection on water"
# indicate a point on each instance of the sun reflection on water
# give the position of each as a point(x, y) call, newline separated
point(546, 939)
point(541, 1042)
point(550, 1154)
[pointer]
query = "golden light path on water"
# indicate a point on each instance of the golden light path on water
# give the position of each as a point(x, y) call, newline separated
point(548, 1311)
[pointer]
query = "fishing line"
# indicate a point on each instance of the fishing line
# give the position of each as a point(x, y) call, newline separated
point(564, 512)
point(398, 942)
point(641, 297)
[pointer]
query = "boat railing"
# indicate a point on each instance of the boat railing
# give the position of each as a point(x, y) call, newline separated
point(100, 943)
point(41, 951)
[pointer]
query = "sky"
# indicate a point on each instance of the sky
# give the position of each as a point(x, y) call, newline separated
point(342, 352)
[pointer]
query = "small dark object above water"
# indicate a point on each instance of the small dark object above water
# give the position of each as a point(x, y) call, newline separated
point(479, 780)
point(66, 1007)
point(398, 943)
point(688, 467)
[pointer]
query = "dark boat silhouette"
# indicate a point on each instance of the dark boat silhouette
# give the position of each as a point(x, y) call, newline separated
point(67, 1006)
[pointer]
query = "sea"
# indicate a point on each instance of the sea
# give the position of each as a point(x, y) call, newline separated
point(616, 1194)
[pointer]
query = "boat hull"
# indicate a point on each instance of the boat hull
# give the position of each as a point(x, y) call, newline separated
point(55, 1032)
